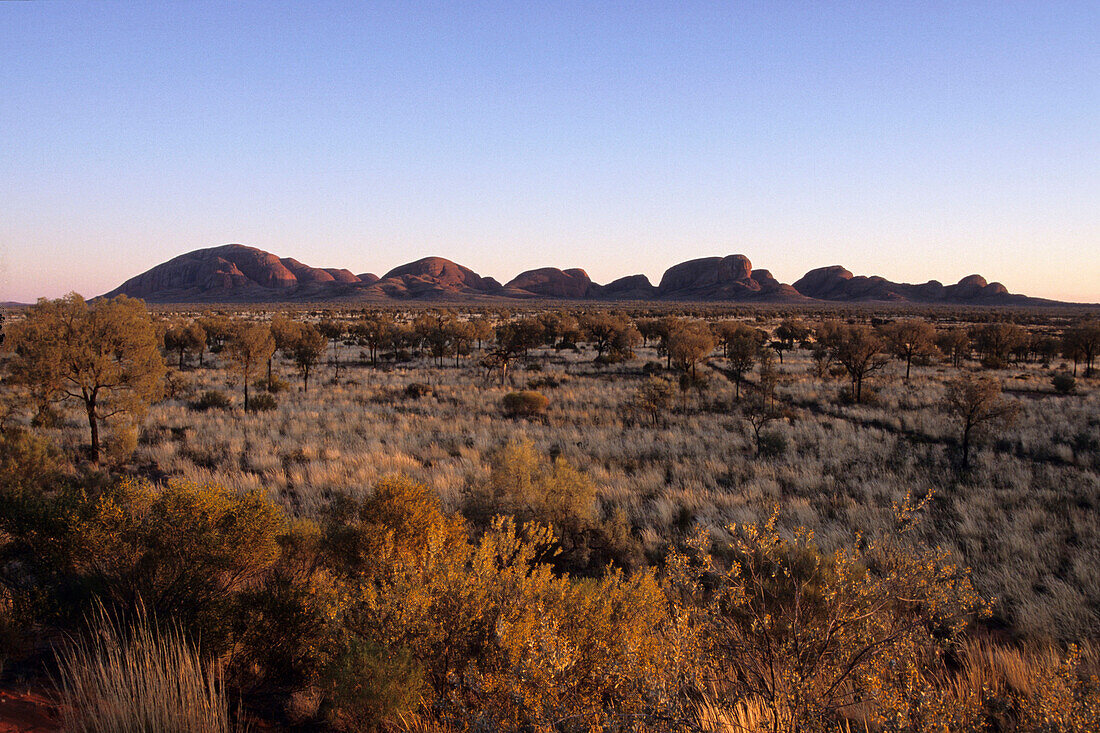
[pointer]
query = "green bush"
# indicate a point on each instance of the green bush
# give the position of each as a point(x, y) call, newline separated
point(212, 399)
point(525, 404)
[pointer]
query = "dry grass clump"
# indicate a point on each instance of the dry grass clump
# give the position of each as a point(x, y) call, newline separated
point(137, 679)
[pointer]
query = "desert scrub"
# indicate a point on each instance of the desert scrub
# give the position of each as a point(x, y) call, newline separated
point(525, 404)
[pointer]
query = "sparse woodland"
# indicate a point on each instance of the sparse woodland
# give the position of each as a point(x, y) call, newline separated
point(553, 518)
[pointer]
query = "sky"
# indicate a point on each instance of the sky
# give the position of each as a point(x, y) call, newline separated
point(912, 140)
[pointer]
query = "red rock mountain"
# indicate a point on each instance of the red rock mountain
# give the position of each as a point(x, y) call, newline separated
point(550, 282)
point(723, 278)
point(231, 273)
point(234, 273)
point(837, 283)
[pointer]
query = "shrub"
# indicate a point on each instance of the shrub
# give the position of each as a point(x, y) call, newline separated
point(416, 390)
point(274, 385)
point(212, 399)
point(772, 445)
point(525, 404)
point(487, 632)
point(183, 551)
point(28, 463)
point(139, 679)
point(530, 486)
point(652, 368)
point(1063, 383)
point(807, 631)
point(264, 402)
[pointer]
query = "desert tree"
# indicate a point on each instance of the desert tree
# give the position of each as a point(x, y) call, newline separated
point(653, 397)
point(1082, 343)
point(104, 356)
point(976, 405)
point(284, 331)
point(306, 350)
point(648, 329)
point(612, 335)
point(663, 329)
point(517, 337)
point(909, 338)
point(334, 331)
point(759, 411)
point(434, 329)
point(955, 344)
point(250, 346)
point(859, 350)
point(463, 335)
point(995, 342)
point(689, 343)
point(791, 331)
point(219, 329)
point(184, 338)
point(740, 345)
point(376, 331)
point(483, 330)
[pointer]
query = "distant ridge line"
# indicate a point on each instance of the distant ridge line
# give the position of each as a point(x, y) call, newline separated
point(235, 273)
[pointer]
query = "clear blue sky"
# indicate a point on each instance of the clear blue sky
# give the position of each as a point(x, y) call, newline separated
point(912, 140)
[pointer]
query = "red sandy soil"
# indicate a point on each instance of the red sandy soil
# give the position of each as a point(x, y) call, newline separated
point(27, 712)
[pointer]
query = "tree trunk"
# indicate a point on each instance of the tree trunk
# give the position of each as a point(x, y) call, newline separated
point(246, 391)
point(93, 426)
point(908, 364)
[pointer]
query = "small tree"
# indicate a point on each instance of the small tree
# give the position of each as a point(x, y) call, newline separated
point(376, 331)
point(741, 345)
point(858, 349)
point(105, 356)
point(654, 397)
point(955, 343)
point(1082, 343)
point(250, 347)
point(909, 338)
point(759, 412)
point(612, 335)
point(976, 405)
point(995, 342)
point(184, 338)
point(334, 331)
point(306, 349)
point(688, 344)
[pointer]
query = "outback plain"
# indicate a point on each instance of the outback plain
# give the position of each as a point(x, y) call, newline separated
point(554, 517)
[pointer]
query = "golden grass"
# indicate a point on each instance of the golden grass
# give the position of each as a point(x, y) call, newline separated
point(139, 679)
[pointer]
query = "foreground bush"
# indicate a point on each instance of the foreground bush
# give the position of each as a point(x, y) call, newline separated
point(182, 550)
point(814, 635)
point(136, 679)
point(486, 629)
